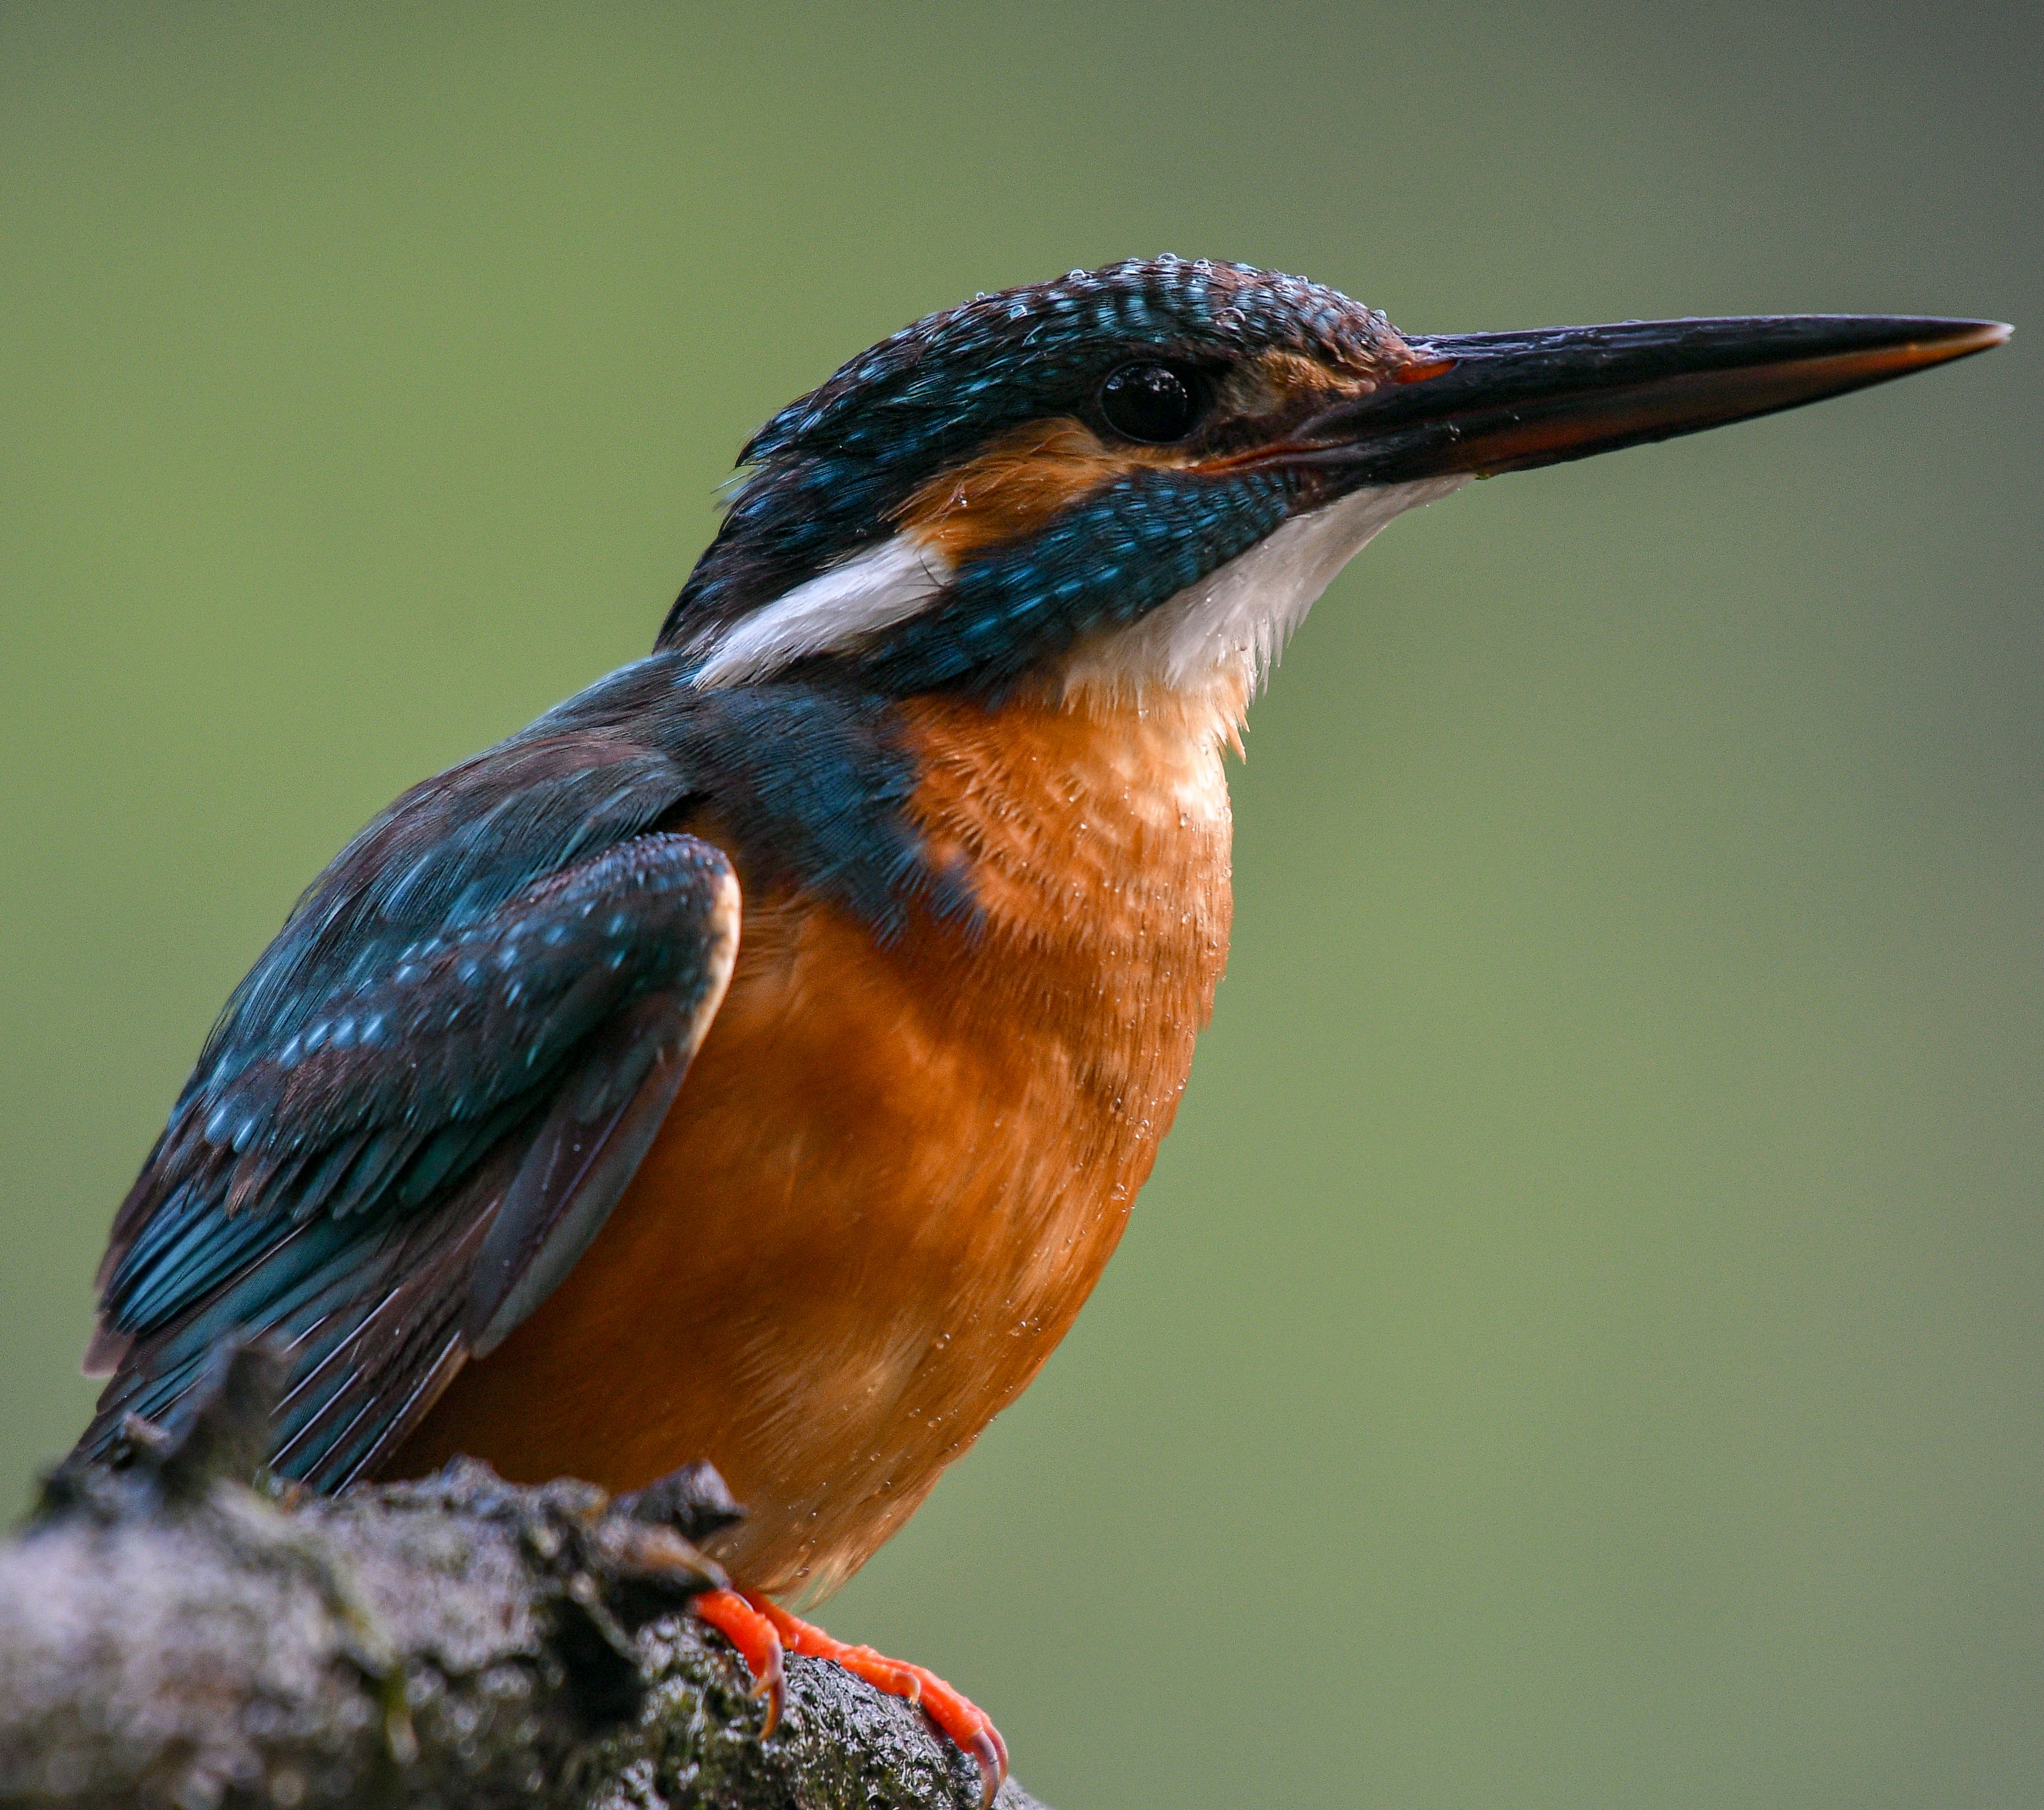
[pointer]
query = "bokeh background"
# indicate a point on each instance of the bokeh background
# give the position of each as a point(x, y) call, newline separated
point(1580, 1346)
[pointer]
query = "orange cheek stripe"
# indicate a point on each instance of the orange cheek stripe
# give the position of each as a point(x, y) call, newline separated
point(1015, 487)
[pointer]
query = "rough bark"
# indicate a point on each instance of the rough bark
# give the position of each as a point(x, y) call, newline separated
point(171, 1636)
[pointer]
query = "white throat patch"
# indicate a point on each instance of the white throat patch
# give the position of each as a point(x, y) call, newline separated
point(1230, 628)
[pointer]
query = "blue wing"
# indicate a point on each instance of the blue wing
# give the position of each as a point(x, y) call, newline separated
point(422, 1102)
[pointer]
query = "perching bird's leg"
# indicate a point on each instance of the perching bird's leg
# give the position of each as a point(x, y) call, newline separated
point(760, 1630)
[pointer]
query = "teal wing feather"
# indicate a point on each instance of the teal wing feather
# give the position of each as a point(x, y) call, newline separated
point(421, 1104)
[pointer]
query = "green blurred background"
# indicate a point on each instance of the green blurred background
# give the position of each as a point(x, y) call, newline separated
point(1580, 1346)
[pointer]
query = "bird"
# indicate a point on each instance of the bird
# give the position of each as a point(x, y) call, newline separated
point(756, 1058)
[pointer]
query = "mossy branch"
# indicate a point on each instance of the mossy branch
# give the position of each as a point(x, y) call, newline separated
point(171, 1637)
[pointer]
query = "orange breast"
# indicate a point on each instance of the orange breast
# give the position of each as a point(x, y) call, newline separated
point(892, 1175)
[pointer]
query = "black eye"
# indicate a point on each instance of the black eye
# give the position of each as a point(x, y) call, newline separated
point(1150, 402)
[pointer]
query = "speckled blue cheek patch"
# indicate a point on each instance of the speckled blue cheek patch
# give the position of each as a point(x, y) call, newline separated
point(1108, 561)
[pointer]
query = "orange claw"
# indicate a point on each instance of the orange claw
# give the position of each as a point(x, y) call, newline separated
point(760, 1629)
point(740, 1619)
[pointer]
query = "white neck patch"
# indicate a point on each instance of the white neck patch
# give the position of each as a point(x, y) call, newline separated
point(829, 613)
point(1230, 628)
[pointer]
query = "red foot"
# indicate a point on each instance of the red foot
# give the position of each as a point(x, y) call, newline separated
point(760, 1629)
point(757, 1645)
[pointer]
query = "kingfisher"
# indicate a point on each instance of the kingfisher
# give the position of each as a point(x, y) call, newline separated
point(756, 1058)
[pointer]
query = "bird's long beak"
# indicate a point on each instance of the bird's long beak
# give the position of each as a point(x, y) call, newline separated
point(1491, 402)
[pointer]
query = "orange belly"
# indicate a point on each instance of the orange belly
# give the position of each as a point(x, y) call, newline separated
point(892, 1175)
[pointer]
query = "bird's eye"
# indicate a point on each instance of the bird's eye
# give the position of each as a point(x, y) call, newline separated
point(1152, 402)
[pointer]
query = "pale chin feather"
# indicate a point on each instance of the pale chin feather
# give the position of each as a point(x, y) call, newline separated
point(1227, 631)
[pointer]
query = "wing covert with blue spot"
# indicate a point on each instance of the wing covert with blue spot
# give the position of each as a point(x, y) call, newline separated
point(483, 980)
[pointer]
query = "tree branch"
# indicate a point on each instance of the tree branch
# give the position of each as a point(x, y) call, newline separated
point(170, 1636)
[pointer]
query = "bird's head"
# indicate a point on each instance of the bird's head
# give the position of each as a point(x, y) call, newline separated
point(1141, 477)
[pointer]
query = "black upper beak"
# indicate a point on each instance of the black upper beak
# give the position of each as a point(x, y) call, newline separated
point(1491, 402)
